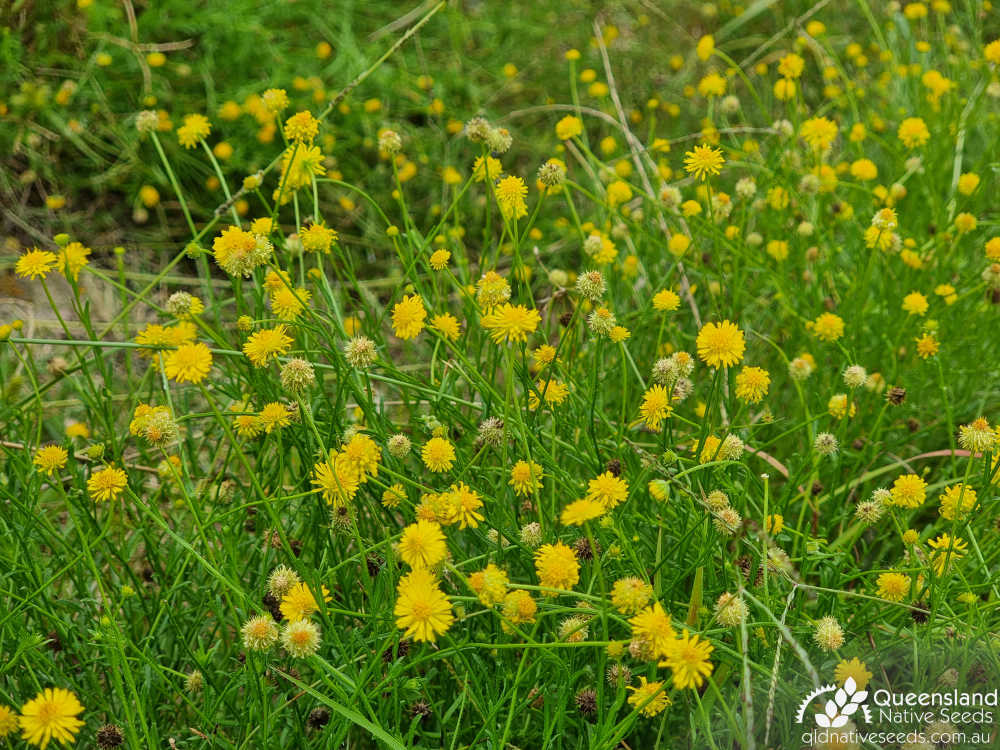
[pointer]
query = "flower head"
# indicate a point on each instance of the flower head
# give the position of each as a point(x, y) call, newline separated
point(651, 627)
point(947, 549)
point(300, 638)
point(913, 132)
point(752, 384)
point(438, 454)
point(270, 343)
point(422, 610)
point(259, 633)
point(721, 344)
point(687, 658)
point(51, 715)
point(422, 545)
point(655, 407)
point(106, 484)
point(50, 458)
point(510, 323)
point(525, 478)
point(71, 259)
point(189, 363)
point(608, 489)
point(298, 602)
point(301, 127)
point(579, 512)
point(648, 698)
point(630, 595)
point(704, 161)
point(908, 491)
point(893, 586)
point(35, 264)
point(408, 317)
point(195, 128)
point(557, 566)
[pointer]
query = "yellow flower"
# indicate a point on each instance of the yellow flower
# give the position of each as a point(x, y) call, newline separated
point(655, 407)
point(687, 658)
point(856, 669)
point(238, 252)
point(300, 638)
point(195, 128)
point(510, 323)
point(827, 327)
point(35, 264)
point(927, 345)
point(438, 454)
point(908, 491)
point(317, 238)
point(630, 595)
point(618, 192)
point(106, 484)
point(652, 628)
point(838, 408)
point(552, 391)
point(579, 512)
point(422, 545)
point(992, 52)
point(818, 132)
point(666, 300)
point(50, 458)
point(557, 567)
point(607, 489)
point(490, 584)
point(893, 587)
point(704, 161)
point(915, 303)
point(301, 127)
point(678, 244)
point(525, 478)
point(439, 259)
point(518, 607)
point(510, 194)
point(273, 416)
point(465, 503)
point(791, 65)
point(649, 698)
point(8, 721)
point(71, 260)
point(422, 610)
point(267, 344)
point(568, 127)
point(288, 304)
point(189, 363)
point(408, 317)
point(913, 132)
point(946, 550)
point(957, 501)
point(967, 183)
point(51, 715)
point(447, 325)
point(336, 479)
point(752, 384)
point(486, 168)
point(720, 344)
point(298, 603)
point(705, 48)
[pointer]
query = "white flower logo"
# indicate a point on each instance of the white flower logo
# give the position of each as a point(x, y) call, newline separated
point(845, 703)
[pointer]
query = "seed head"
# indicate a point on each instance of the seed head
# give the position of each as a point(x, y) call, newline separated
point(399, 446)
point(360, 352)
point(297, 375)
